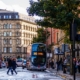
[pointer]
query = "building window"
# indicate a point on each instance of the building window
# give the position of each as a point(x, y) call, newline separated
point(4, 33)
point(9, 16)
point(5, 49)
point(10, 49)
point(18, 33)
point(10, 41)
point(10, 26)
point(7, 33)
point(7, 26)
point(17, 17)
point(7, 41)
point(18, 49)
point(0, 34)
point(0, 17)
point(18, 41)
point(10, 33)
point(18, 26)
point(6, 16)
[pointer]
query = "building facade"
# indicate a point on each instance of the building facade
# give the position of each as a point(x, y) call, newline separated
point(16, 33)
point(53, 36)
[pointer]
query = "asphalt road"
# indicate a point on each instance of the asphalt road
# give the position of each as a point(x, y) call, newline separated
point(24, 74)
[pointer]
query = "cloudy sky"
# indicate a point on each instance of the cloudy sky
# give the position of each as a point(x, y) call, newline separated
point(16, 5)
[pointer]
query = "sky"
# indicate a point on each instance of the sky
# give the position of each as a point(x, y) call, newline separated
point(15, 5)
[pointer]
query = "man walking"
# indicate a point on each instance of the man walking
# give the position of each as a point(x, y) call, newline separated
point(10, 66)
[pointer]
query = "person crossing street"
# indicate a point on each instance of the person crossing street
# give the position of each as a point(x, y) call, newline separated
point(10, 66)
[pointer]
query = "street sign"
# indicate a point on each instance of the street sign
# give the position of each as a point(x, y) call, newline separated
point(57, 51)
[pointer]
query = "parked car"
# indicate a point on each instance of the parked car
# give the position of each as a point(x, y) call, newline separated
point(19, 62)
point(3, 64)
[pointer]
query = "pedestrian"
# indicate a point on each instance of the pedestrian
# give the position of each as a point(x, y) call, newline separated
point(10, 66)
point(14, 65)
point(65, 65)
point(79, 65)
point(52, 64)
point(3, 64)
point(57, 65)
point(60, 64)
point(76, 66)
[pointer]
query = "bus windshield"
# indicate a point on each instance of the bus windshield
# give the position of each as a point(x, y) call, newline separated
point(38, 54)
point(36, 60)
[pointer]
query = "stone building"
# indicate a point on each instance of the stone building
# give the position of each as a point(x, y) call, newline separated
point(16, 33)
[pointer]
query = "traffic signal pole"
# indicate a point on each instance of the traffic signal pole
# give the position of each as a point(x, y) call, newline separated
point(73, 50)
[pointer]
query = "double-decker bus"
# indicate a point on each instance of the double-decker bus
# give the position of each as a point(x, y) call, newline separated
point(36, 56)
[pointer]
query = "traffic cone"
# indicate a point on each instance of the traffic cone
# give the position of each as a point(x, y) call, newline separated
point(33, 76)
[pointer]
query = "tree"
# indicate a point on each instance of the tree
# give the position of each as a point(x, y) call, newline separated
point(42, 35)
point(56, 13)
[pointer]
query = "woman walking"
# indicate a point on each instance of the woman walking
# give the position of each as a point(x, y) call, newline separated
point(14, 65)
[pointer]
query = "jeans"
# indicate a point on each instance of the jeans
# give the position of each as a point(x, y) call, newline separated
point(14, 69)
point(10, 69)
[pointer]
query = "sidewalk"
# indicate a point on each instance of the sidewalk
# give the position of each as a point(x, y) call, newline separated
point(66, 76)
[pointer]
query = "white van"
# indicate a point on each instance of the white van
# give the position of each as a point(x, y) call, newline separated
point(19, 62)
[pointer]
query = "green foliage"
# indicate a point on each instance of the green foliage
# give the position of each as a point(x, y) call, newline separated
point(56, 13)
point(42, 35)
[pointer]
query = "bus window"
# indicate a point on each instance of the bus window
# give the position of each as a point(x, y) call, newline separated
point(34, 47)
point(41, 48)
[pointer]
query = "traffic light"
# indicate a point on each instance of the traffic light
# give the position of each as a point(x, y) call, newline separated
point(78, 37)
point(73, 31)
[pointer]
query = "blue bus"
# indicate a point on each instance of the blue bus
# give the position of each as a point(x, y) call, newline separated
point(36, 56)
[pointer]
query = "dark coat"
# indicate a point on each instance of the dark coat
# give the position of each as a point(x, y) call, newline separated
point(14, 64)
point(9, 63)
